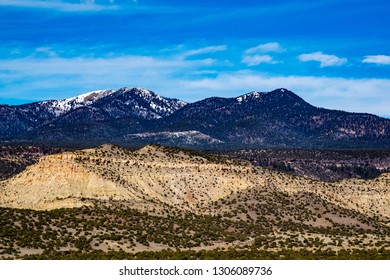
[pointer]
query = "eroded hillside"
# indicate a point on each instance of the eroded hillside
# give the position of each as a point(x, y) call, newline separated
point(156, 175)
point(158, 198)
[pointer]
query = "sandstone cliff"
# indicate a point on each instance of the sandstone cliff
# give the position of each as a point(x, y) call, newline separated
point(155, 176)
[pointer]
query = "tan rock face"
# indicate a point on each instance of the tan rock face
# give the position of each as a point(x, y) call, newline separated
point(58, 181)
point(371, 197)
point(160, 175)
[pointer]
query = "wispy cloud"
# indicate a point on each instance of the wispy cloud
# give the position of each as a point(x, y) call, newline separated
point(264, 48)
point(252, 60)
point(377, 59)
point(210, 49)
point(325, 59)
point(56, 77)
point(86, 5)
point(46, 51)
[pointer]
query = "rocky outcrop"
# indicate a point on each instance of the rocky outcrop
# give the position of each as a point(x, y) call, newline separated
point(58, 181)
point(156, 175)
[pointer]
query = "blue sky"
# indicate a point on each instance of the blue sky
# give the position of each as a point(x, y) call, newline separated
point(334, 54)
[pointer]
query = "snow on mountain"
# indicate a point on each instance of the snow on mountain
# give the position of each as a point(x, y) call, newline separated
point(275, 95)
point(60, 107)
point(162, 106)
point(185, 137)
point(141, 102)
point(251, 95)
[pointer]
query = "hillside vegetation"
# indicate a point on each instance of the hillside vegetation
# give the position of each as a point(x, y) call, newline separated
point(110, 201)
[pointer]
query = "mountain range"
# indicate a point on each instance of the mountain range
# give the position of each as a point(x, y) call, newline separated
point(135, 117)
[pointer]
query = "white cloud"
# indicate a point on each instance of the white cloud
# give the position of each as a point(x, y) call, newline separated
point(325, 59)
point(377, 59)
point(210, 49)
point(252, 60)
point(46, 51)
point(264, 48)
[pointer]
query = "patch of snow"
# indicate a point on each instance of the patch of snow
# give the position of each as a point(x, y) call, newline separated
point(188, 137)
point(251, 95)
point(62, 106)
point(159, 104)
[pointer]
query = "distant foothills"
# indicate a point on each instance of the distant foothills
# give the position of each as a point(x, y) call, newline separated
point(135, 117)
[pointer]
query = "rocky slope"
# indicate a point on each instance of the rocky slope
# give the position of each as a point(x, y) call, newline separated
point(155, 176)
point(150, 174)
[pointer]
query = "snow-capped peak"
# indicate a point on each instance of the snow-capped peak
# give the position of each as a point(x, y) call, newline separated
point(142, 102)
point(62, 106)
